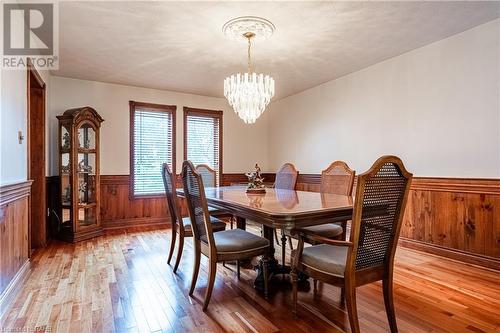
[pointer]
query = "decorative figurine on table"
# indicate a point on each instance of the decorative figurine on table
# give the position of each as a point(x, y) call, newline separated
point(255, 181)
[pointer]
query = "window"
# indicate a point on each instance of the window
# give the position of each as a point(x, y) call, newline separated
point(152, 143)
point(203, 138)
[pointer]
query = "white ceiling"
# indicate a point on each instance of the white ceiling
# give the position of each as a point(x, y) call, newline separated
point(179, 46)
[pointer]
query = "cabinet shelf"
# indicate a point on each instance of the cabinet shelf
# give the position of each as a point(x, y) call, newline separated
point(86, 150)
point(86, 173)
point(86, 205)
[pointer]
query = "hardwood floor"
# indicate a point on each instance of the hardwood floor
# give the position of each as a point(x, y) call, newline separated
point(120, 282)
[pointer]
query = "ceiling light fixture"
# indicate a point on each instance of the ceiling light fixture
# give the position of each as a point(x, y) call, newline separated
point(249, 93)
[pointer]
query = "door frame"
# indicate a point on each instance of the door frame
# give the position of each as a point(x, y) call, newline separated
point(33, 77)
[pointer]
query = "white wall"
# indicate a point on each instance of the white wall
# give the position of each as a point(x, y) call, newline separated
point(243, 144)
point(13, 156)
point(437, 107)
point(13, 118)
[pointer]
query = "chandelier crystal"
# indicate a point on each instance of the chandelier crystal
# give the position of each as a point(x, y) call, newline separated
point(249, 93)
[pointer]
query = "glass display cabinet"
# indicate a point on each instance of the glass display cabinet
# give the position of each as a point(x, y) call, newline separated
point(79, 174)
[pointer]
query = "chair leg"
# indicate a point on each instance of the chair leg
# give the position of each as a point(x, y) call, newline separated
point(352, 311)
point(315, 284)
point(196, 269)
point(342, 296)
point(179, 252)
point(238, 269)
point(276, 237)
point(389, 304)
point(265, 268)
point(210, 286)
point(172, 244)
point(293, 275)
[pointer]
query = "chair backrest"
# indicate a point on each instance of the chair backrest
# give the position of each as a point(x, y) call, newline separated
point(338, 178)
point(208, 175)
point(169, 183)
point(286, 177)
point(196, 202)
point(381, 196)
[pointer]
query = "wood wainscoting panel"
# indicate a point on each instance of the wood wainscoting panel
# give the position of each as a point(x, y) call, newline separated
point(14, 239)
point(452, 217)
point(119, 210)
point(458, 218)
point(466, 221)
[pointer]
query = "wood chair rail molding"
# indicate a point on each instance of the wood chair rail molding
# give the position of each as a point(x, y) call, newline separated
point(14, 191)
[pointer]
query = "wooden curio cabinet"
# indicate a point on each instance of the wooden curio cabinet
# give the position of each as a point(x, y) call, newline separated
point(79, 173)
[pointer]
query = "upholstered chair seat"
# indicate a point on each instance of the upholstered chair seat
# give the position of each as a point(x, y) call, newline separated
point(329, 259)
point(237, 241)
point(217, 225)
point(328, 230)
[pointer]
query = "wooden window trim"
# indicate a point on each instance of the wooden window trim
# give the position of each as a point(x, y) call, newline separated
point(155, 108)
point(188, 111)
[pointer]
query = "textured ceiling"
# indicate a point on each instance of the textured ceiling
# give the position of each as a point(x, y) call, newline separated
point(179, 46)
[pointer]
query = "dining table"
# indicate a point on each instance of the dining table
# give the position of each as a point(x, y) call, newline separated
point(278, 209)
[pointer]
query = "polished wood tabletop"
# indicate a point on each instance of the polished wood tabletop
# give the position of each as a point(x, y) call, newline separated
point(280, 208)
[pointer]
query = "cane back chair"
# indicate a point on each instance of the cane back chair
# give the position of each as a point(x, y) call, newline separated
point(368, 256)
point(180, 225)
point(338, 178)
point(286, 179)
point(209, 177)
point(227, 245)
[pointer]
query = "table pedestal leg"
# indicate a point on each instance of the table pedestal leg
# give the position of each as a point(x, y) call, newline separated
point(283, 247)
point(274, 268)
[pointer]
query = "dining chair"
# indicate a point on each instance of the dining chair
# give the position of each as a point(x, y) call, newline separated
point(227, 245)
point(209, 177)
point(286, 179)
point(338, 178)
point(368, 256)
point(180, 225)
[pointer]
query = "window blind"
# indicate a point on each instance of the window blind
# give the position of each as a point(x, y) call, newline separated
point(152, 147)
point(202, 146)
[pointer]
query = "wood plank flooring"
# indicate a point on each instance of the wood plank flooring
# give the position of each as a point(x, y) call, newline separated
point(121, 283)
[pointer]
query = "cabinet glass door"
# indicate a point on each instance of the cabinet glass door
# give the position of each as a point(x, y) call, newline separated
point(86, 171)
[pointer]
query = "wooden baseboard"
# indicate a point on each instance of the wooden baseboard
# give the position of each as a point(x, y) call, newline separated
point(136, 222)
point(461, 256)
point(13, 289)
